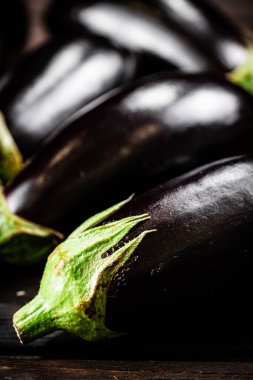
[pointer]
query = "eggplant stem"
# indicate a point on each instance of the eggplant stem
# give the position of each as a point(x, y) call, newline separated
point(243, 75)
point(23, 242)
point(75, 283)
point(11, 161)
point(26, 324)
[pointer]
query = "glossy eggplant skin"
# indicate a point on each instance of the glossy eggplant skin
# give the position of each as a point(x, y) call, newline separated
point(181, 32)
point(138, 26)
point(150, 131)
point(195, 272)
point(13, 31)
point(213, 31)
point(50, 84)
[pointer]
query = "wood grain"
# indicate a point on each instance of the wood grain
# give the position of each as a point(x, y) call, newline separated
point(62, 356)
point(11, 368)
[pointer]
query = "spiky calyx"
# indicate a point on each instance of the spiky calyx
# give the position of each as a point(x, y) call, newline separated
point(11, 161)
point(23, 242)
point(243, 75)
point(74, 286)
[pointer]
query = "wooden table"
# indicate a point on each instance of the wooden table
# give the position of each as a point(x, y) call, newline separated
point(61, 356)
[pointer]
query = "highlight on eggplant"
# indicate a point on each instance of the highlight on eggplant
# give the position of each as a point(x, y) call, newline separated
point(187, 239)
point(139, 26)
point(191, 34)
point(210, 27)
point(149, 132)
point(48, 85)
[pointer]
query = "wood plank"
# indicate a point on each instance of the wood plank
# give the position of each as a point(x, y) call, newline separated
point(30, 369)
point(19, 285)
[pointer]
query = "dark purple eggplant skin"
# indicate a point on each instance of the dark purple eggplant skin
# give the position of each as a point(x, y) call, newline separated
point(152, 130)
point(209, 27)
point(135, 25)
point(195, 272)
point(191, 34)
point(13, 31)
point(50, 84)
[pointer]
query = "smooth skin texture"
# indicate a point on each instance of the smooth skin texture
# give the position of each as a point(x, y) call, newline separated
point(151, 131)
point(192, 278)
point(193, 34)
point(48, 85)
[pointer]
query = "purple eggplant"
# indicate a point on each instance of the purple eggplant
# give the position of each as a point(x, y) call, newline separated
point(177, 259)
point(200, 253)
point(137, 26)
point(149, 132)
point(189, 33)
point(190, 36)
point(50, 84)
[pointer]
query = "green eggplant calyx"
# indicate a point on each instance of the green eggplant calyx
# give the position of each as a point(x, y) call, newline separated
point(243, 75)
point(11, 161)
point(30, 313)
point(23, 242)
point(78, 273)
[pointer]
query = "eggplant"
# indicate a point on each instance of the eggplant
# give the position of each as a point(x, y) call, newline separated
point(148, 132)
point(180, 31)
point(48, 85)
point(138, 26)
point(139, 267)
point(13, 31)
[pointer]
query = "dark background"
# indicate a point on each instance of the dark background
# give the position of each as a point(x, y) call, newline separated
point(240, 10)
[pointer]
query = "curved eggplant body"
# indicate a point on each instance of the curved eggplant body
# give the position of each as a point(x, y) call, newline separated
point(53, 82)
point(151, 131)
point(137, 26)
point(174, 264)
point(180, 31)
point(195, 270)
point(215, 33)
point(13, 30)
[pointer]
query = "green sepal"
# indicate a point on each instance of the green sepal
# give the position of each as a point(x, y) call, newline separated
point(74, 286)
point(243, 75)
point(23, 242)
point(11, 161)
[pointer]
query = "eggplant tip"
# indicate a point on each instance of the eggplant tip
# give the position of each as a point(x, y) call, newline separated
point(17, 330)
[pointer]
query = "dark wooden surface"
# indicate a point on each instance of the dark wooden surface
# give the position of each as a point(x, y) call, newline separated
point(121, 370)
point(61, 356)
